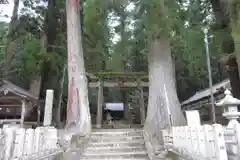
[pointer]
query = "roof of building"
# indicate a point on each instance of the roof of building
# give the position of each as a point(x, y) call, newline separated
point(10, 87)
point(225, 84)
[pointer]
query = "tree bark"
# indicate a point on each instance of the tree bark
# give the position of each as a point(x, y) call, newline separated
point(78, 112)
point(164, 108)
point(51, 25)
point(233, 73)
point(222, 19)
point(162, 87)
point(59, 108)
point(11, 44)
point(235, 17)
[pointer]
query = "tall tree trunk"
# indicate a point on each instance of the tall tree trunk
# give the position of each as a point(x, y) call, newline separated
point(78, 112)
point(36, 81)
point(58, 114)
point(234, 9)
point(51, 25)
point(222, 19)
point(47, 35)
point(163, 103)
point(223, 23)
point(50, 28)
point(11, 43)
point(233, 73)
point(164, 108)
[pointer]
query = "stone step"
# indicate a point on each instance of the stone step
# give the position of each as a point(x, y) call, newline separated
point(116, 149)
point(118, 125)
point(111, 155)
point(129, 133)
point(117, 130)
point(115, 144)
point(130, 143)
point(114, 134)
point(116, 158)
point(114, 138)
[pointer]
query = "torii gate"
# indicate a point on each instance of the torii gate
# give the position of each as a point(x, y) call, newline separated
point(128, 80)
point(78, 112)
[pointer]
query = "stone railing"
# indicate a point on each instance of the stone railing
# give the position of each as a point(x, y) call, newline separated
point(29, 144)
point(197, 142)
point(213, 142)
point(44, 142)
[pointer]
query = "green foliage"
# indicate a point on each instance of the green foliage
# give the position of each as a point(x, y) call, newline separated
point(96, 35)
point(183, 24)
point(32, 58)
point(104, 20)
point(236, 36)
point(3, 31)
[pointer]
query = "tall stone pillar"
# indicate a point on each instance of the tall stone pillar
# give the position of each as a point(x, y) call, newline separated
point(48, 108)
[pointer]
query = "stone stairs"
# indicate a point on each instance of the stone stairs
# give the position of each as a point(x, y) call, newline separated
point(115, 144)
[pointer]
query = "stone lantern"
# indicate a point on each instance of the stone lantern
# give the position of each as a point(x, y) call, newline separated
point(230, 106)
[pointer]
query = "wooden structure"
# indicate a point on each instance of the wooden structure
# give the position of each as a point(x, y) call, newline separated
point(201, 101)
point(16, 104)
point(117, 80)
